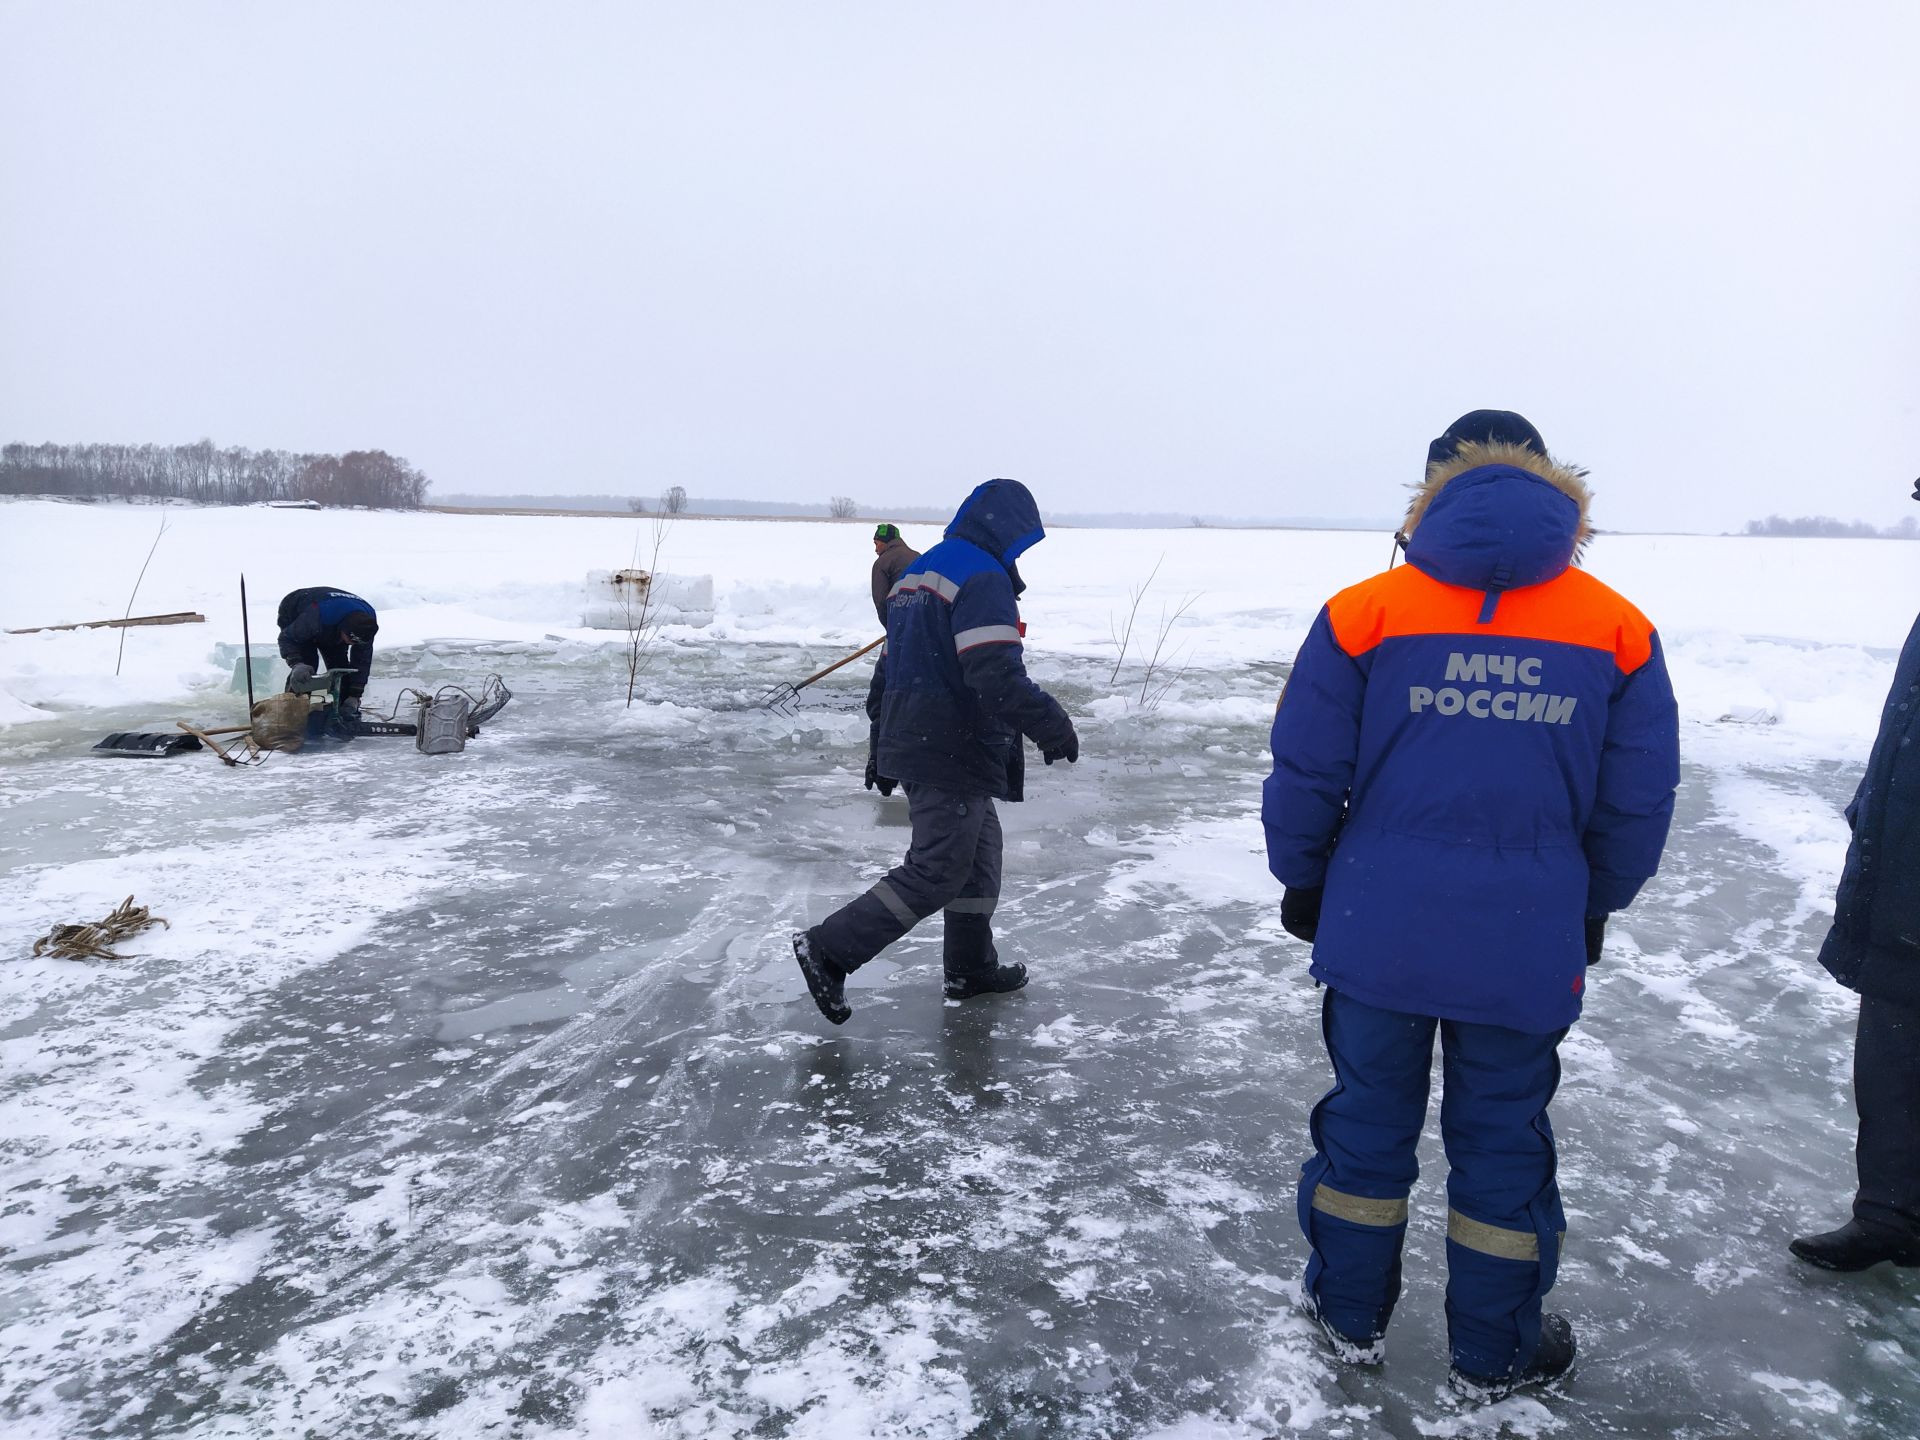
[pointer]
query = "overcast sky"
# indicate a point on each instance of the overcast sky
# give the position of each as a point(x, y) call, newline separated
point(1202, 257)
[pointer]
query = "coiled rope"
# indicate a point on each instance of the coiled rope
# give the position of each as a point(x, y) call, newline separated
point(96, 941)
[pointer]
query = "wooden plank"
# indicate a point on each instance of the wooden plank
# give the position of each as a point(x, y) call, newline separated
point(177, 617)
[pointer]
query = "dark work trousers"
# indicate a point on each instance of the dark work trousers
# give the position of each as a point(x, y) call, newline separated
point(1504, 1224)
point(1886, 1092)
point(952, 864)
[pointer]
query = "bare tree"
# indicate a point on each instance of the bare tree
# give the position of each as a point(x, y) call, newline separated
point(639, 605)
point(1122, 634)
point(121, 653)
point(637, 505)
point(840, 507)
point(1154, 680)
point(675, 500)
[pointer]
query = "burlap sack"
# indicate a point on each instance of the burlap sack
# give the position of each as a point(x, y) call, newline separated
point(279, 722)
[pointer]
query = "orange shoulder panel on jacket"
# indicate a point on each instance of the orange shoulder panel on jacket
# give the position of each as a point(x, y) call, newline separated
point(1359, 614)
point(1571, 609)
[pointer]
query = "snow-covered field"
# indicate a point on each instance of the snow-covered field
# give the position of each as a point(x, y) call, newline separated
point(476, 1095)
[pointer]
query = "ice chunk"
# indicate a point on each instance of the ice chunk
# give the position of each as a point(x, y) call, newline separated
point(626, 599)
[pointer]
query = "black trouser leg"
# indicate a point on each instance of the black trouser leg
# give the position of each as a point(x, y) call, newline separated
point(939, 864)
point(360, 661)
point(340, 656)
point(967, 948)
point(1886, 1092)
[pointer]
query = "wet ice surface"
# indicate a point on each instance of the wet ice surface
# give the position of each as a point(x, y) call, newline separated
point(478, 1096)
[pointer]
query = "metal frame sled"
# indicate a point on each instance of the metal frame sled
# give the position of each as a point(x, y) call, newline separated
point(443, 723)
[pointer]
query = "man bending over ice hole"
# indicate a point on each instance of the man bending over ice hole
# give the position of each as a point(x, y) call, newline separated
point(1474, 763)
point(336, 626)
point(950, 699)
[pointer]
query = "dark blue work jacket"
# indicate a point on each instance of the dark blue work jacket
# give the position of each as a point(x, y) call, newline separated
point(1874, 946)
point(951, 696)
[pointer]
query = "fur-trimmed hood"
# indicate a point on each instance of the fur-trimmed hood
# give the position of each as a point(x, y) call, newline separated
point(1569, 480)
point(1498, 516)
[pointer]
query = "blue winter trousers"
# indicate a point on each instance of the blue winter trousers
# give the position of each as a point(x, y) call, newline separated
point(1504, 1225)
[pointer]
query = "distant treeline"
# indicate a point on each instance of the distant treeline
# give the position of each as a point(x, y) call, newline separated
point(1828, 527)
point(706, 506)
point(688, 505)
point(205, 473)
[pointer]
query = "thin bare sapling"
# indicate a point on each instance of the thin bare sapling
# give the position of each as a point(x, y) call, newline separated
point(122, 652)
point(639, 602)
point(1155, 677)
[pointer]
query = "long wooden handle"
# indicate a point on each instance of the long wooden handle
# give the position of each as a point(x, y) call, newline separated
point(875, 645)
point(212, 744)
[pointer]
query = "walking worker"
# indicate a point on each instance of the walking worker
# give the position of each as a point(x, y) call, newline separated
point(951, 700)
point(891, 556)
point(1874, 948)
point(335, 626)
point(1474, 764)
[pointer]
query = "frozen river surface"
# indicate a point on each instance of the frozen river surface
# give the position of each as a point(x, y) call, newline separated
point(478, 1096)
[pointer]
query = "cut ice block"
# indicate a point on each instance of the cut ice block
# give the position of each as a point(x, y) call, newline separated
point(225, 652)
point(269, 674)
point(625, 599)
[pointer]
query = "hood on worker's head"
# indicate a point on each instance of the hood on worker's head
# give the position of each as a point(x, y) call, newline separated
point(1498, 515)
point(1001, 518)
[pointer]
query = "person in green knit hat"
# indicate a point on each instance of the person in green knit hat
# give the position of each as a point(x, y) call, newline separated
point(891, 556)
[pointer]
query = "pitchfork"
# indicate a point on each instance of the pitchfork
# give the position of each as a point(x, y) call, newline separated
point(783, 697)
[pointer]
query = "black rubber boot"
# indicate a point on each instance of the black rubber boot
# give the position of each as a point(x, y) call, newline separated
point(1553, 1359)
point(997, 981)
point(826, 981)
point(971, 962)
point(343, 721)
point(1855, 1247)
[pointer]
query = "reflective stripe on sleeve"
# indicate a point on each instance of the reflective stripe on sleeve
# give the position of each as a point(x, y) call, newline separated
point(986, 635)
point(1492, 1239)
point(926, 580)
point(1360, 1209)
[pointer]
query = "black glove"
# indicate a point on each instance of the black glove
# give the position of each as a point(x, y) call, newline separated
point(1596, 937)
point(1300, 911)
point(877, 781)
point(299, 675)
point(1066, 748)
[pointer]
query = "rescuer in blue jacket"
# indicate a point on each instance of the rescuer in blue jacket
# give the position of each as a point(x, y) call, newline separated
point(951, 702)
point(1474, 763)
point(337, 626)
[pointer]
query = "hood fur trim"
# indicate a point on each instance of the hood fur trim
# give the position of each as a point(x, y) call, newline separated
point(1569, 480)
